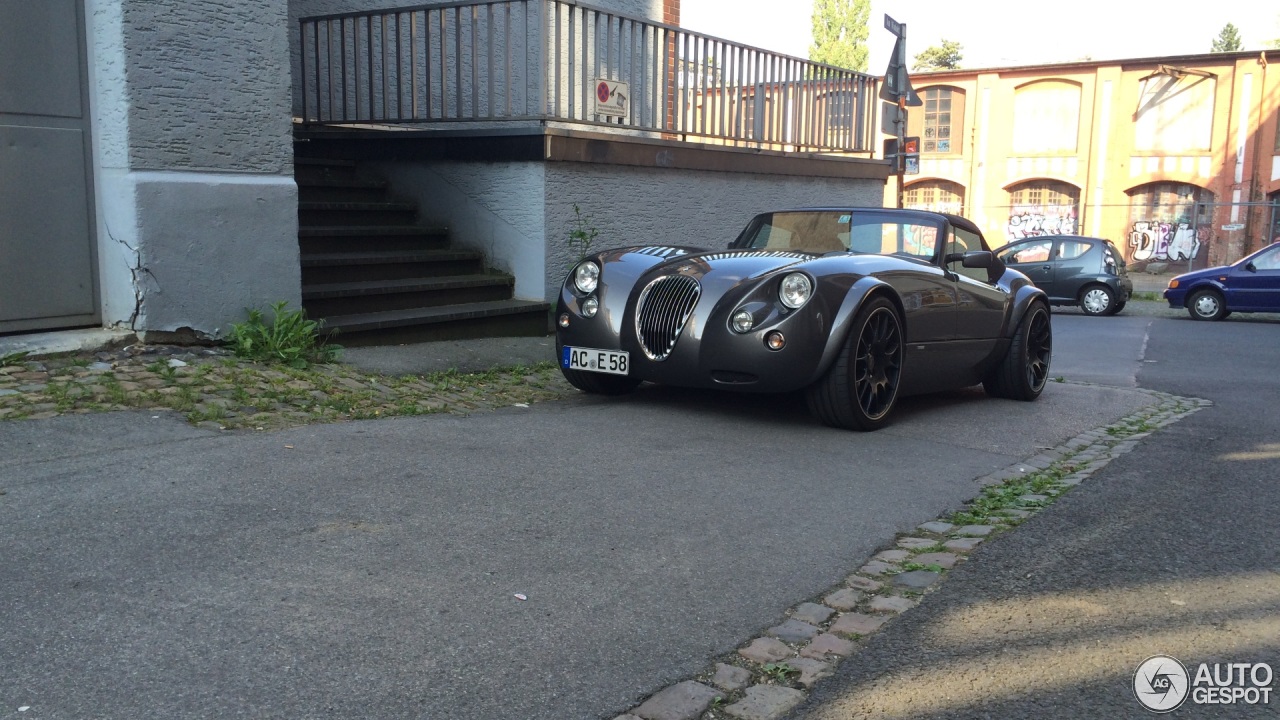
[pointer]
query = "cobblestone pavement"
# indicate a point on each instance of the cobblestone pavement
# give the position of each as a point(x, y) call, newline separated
point(771, 675)
point(216, 390)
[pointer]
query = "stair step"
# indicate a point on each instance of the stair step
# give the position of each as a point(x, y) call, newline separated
point(326, 268)
point(345, 298)
point(308, 170)
point(355, 213)
point(449, 282)
point(327, 191)
point(328, 239)
point(499, 318)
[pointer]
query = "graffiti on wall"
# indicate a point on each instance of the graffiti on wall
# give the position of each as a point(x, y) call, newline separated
point(1025, 222)
point(1163, 241)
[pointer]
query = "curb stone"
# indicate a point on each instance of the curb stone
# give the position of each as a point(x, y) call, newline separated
point(872, 596)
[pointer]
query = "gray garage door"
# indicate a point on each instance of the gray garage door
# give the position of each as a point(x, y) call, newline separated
point(47, 263)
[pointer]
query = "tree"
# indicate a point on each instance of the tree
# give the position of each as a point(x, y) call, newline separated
point(1228, 40)
point(946, 56)
point(840, 33)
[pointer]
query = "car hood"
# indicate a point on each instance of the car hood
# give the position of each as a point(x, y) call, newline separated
point(1185, 278)
point(719, 271)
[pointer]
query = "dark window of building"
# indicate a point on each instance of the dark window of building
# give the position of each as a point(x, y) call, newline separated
point(939, 122)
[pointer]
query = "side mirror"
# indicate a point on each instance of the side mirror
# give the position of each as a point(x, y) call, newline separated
point(980, 259)
point(1251, 267)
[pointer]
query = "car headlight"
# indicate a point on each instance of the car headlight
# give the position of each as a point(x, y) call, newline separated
point(795, 290)
point(590, 306)
point(586, 277)
point(1173, 284)
point(743, 321)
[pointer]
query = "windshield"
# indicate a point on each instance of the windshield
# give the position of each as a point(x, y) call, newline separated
point(824, 231)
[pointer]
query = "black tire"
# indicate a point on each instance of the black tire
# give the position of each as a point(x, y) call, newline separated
point(599, 383)
point(860, 389)
point(1097, 300)
point(1206, 304)
point(1115, 309)
point(1024, 370)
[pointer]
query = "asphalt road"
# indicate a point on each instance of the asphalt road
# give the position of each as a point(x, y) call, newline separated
point(1171, 549)
point(370, 569)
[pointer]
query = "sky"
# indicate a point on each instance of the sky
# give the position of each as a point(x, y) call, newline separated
point(1001, 33)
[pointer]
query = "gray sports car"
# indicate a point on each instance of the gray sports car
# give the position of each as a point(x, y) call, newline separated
point(857, 306)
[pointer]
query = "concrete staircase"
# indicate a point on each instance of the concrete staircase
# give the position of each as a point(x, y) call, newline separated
point(377, 278)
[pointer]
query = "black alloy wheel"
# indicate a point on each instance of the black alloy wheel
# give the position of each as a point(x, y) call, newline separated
point(860, 389)
point(878, 363)
point(1039, 350)
point(1024, 370)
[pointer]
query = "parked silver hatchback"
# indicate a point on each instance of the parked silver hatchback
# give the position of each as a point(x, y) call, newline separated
point(1073, 270)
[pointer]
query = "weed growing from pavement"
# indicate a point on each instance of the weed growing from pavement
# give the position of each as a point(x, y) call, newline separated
point(931, 567)
point(236, 394)
point(13, 358)
point(288, 338)
point(779, 672)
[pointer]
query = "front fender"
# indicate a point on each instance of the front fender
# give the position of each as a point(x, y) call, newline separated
point(1200, 285)
point(1024, 295)
point(854, 296)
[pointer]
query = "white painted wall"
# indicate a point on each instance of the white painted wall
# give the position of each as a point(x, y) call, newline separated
point(495, 208)
point(193, 162)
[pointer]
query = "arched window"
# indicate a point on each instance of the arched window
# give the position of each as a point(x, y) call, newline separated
point(1175, 112)
point(1170, 202)
point(1042, 207)
point(936, 195)
point(1046, 117)
point(1167, 220)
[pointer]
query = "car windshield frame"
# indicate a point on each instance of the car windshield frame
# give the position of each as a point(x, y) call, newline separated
point(1253, 255)
point(759, 233)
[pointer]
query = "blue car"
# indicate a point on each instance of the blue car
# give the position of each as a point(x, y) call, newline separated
point(1250, 285)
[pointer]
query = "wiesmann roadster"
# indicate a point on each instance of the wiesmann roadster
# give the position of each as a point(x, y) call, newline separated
point(857, 306)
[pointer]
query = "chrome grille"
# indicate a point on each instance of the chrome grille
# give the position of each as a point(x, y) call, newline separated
point(664, 307)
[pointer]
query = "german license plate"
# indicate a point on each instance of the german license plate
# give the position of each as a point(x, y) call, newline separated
point(612, 362)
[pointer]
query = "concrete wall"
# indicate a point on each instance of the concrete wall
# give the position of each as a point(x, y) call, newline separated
point(641, 206)
point(495, 208)
point(197, 208)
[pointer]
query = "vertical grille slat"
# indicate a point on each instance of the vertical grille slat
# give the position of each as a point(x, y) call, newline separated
point(664, 307)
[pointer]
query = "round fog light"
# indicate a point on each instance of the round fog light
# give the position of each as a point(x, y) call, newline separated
point(743, 322)
point(775, 341)
point(590, 306)
point(564, 320)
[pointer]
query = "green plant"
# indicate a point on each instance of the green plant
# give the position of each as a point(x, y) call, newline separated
point(288, 338)
point(12, 358)
point(779, 672)
point(932, 567)
point(1146, 295)
point(582, 236)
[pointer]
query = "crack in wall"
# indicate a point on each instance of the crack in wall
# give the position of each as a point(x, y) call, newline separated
point(138, 273)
